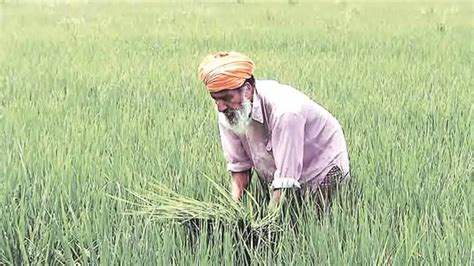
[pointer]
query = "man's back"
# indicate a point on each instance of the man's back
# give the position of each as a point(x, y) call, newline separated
point(290, 136)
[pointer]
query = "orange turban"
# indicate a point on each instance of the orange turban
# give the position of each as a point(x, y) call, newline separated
point(225, 70)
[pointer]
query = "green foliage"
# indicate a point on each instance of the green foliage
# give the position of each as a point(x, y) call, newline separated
point(96, 100)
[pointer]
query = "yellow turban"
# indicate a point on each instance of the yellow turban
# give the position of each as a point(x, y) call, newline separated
point(225, 70)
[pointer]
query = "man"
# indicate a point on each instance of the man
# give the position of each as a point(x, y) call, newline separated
point(288, 139)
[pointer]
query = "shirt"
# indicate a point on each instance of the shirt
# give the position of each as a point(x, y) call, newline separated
point(289, 136)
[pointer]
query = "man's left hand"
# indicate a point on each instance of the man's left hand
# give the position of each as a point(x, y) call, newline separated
point(277, 198)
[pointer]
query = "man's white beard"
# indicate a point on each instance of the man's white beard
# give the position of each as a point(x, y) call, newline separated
point(241, 119)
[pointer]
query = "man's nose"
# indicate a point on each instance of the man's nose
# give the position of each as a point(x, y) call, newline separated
point(221, 106)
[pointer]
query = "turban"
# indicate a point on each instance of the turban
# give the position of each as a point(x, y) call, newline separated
point(225, 70)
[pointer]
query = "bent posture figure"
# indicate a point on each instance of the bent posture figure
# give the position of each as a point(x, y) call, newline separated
point(289, 140)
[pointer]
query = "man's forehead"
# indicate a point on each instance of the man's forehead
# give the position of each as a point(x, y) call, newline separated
point(223, 93)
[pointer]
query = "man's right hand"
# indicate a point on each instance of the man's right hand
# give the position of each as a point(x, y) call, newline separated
point(240, 181)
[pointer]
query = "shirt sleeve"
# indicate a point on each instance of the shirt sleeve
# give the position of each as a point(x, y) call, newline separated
point(234, 152)
point(288, 145)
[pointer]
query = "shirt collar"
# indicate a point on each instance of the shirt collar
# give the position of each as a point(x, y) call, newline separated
point(257, 112)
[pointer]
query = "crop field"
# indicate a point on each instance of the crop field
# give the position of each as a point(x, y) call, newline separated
point(102, 101)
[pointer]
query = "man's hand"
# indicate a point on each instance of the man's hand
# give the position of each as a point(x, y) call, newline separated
point(240, 181)
point(276, 201)
point(280, 187)
point(237, 191)
point(276, 197)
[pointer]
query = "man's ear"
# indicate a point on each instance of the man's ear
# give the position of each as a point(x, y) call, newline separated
point(249, 91)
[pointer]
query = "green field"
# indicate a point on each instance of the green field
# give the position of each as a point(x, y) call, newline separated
point(96, 99)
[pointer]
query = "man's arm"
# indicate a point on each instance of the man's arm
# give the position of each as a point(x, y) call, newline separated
point(240, 182)
point(238, 162)
point(288, 144)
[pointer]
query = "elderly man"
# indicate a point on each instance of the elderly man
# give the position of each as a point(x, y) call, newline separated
point(288, 139)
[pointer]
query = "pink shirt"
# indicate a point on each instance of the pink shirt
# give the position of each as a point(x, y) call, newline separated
point(289, 136)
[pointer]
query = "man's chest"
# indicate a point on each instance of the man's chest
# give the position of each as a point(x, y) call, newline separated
point(258, 145)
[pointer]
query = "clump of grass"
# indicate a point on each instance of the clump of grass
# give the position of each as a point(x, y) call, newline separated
point(159, 202)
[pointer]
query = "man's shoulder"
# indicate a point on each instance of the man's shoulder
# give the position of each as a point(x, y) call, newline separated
point(275, 89)
point(265, 86)
point(282, 98)
point(269, 85)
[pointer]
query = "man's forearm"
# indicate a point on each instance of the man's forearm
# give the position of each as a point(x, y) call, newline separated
point(240, 181)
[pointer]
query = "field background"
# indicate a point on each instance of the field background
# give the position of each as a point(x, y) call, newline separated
point(99, 98)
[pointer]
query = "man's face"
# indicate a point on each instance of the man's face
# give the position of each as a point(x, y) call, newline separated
point(229, 102)
point(235, 106)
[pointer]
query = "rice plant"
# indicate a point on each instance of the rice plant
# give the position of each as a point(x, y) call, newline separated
point(110, 154)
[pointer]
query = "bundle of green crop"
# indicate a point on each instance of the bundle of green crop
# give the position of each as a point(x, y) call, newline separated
point(162, 203)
